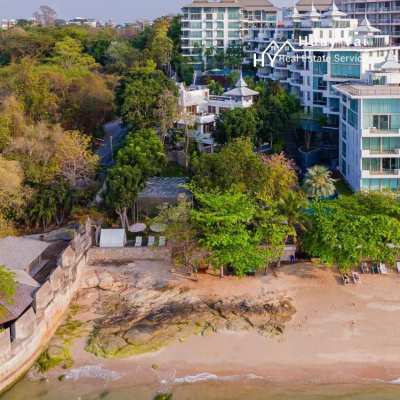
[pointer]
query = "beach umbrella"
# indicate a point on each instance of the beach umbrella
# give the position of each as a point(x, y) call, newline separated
point(137, 228)
point(158, 228)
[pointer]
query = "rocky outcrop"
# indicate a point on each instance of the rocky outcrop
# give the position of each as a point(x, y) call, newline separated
point(148, 312)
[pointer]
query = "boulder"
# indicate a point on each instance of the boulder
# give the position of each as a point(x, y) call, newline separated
point(111, 344)
point(140, 334)
point(106, 281)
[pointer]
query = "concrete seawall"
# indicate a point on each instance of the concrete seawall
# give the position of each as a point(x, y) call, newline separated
point(21, 344)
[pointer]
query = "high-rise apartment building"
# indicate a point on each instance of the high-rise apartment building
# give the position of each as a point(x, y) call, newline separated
point(370, 129)
point(212, 26)
point(325, 49)
point(382, 14)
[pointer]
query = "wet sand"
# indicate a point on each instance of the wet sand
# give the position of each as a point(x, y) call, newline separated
point(339, 336)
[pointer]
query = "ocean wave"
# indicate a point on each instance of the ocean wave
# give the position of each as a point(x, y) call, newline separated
point(92, 371)
point(207, 377)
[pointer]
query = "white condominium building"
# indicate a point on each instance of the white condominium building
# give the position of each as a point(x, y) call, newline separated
point(214, 26)
point(384, 14)
point(322, 50)
point(370, 129)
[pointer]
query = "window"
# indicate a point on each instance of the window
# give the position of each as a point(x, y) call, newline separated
point(344, 149)
point(382, 122)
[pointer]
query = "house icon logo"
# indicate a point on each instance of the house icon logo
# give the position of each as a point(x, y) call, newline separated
point(272, 53)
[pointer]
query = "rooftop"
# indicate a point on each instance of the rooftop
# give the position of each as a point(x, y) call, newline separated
point(246, 4)
point(19, 252)
point(164, 188)
point(367, 90)
point(23, 298)
point(321, 5)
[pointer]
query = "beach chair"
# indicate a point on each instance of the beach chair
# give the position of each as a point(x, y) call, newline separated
point(151, 241)
point(138, 242)
point(161, 241)
point(364, 268)
point(346, 280)
point(355, 277)
point(382, 269)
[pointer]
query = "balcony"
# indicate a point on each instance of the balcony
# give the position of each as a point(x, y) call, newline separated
point(384, 173)
point(375, 132)
point(381, 153)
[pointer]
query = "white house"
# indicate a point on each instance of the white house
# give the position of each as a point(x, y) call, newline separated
point(200, 110)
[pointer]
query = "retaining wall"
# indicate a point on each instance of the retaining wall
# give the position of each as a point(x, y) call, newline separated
point(30, 334)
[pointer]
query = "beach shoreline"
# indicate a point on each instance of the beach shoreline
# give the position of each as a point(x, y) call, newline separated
point(332, 338)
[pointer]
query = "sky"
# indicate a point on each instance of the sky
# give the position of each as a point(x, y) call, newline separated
point(117, 10)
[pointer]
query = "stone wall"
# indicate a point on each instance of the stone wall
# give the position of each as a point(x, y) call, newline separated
point(5, 344)
point(31, 333)
point(98, 255)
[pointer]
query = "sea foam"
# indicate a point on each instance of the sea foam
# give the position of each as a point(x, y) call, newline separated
point(207, 377)
point(92, 371)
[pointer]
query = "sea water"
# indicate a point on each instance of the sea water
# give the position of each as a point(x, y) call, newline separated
point(90, 384)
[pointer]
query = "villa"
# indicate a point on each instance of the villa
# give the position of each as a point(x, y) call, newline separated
point(199, 109)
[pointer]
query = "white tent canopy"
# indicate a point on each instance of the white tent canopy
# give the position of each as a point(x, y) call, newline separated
point(112, 238)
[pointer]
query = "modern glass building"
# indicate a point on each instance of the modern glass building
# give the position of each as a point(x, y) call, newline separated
point(370, 129)
point(214, 26)
point(316, 51)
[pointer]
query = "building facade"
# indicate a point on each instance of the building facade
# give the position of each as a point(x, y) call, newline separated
point(383, 14)
point(370, 129)
point(316, 52)
point(209, 27)
point(199, 109)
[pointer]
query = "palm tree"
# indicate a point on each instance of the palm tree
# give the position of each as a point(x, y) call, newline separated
point(318, 183)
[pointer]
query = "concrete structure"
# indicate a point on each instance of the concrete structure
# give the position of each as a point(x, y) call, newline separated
point(370, 129)
point(161, 191)
point(112, 238)
point(84, 22)
point(22, 254)
point(29, 334)
point(316, 52)
point(200, 110)
point(214, 26)
point(384, 14)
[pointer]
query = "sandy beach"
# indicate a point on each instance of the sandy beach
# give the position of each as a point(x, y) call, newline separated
point(339, 334)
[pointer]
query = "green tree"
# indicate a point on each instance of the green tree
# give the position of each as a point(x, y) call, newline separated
point(223, 220)
point(167, 112)
point(143, 149)
point(215, 88)
point(69, 54)
point(278, 112)
point(181, 234)
point(318, 183)
point(235, 167)
point(123, 185)
point(160, 45)
point(141, 157)
point(235, 123)
point(344, 235)
point(138, 95)
point(120, 56)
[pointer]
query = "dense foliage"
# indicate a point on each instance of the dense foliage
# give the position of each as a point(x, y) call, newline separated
point(352, 229)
